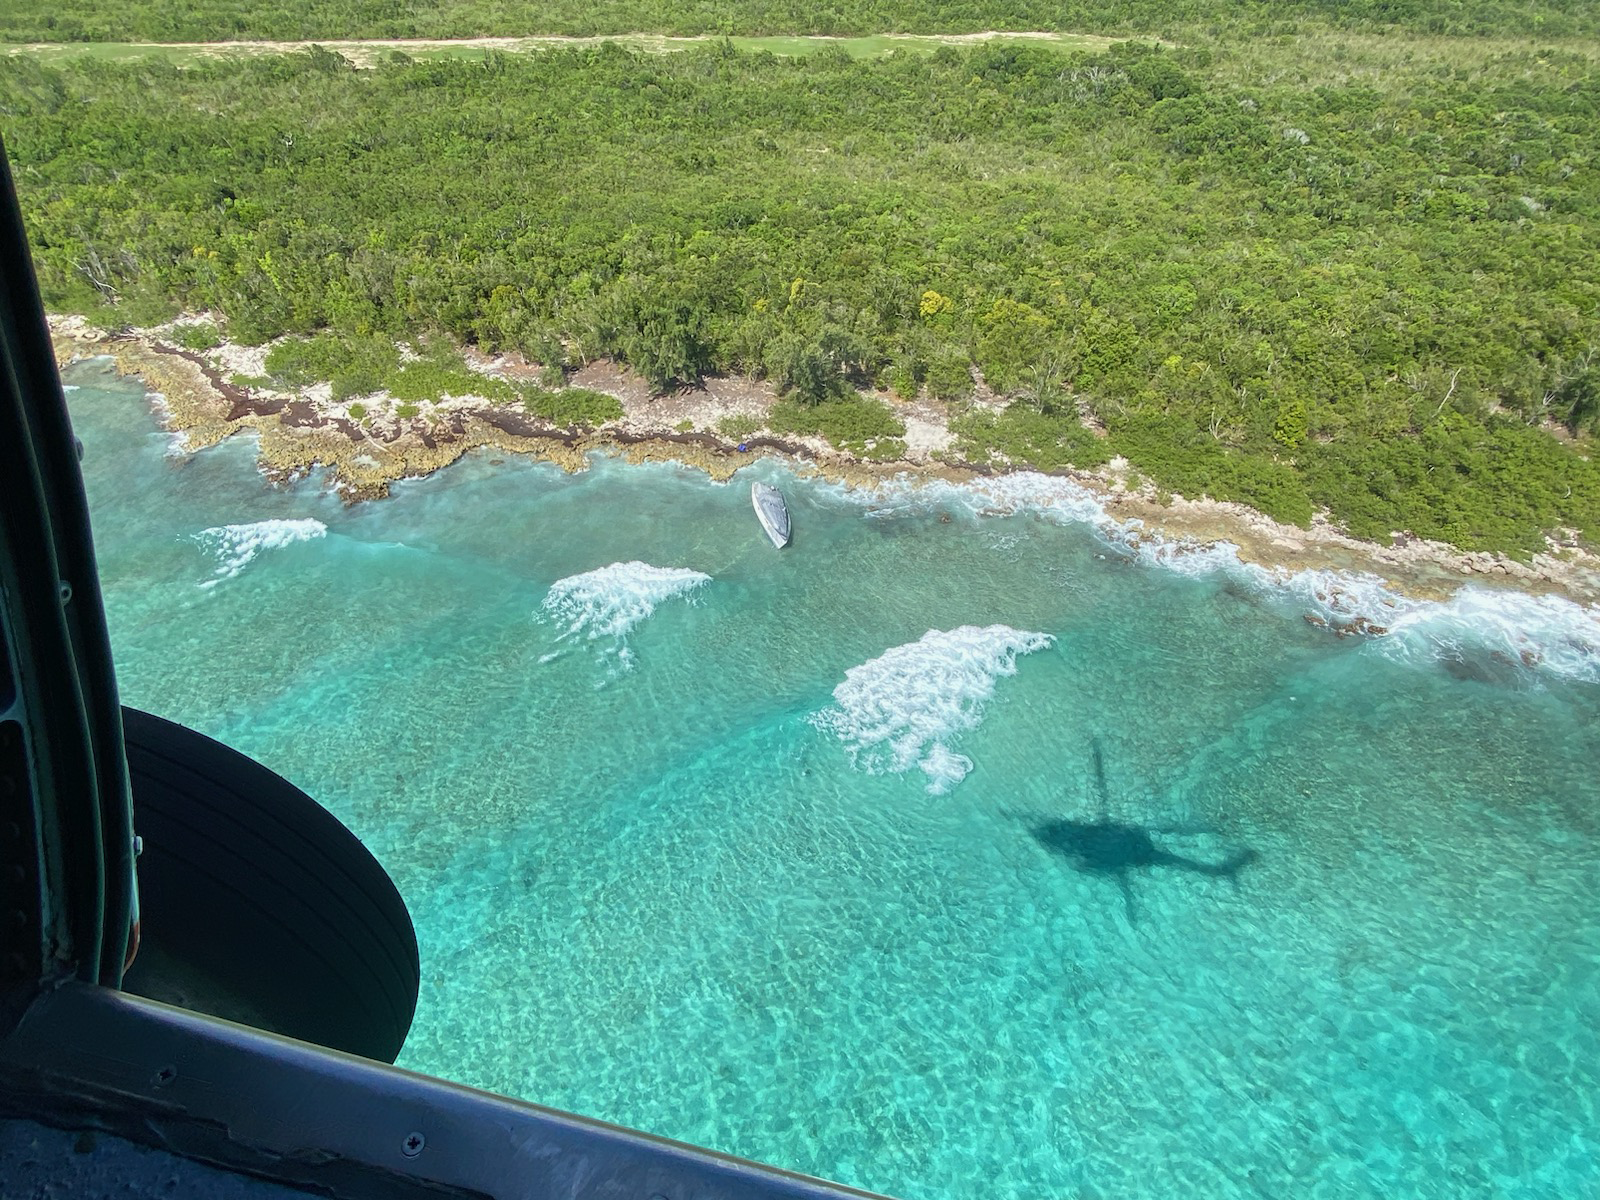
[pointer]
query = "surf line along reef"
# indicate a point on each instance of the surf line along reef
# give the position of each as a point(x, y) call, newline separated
point(367, 443)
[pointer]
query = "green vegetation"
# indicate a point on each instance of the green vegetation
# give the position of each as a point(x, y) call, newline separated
point(371, 53)
point(196, 335)
point(860, 424)
point(215, 20)
point(572, 406)
point(1355, 273)
point(739, 425)
point(1026, 438)
point(358, 365)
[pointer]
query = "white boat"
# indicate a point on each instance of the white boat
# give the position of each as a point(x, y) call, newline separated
point(772, 512)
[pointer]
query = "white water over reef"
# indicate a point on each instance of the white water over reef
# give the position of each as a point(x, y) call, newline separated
point(236, 546)
point(1513, 632)
point(905, 707)
point(606, 604)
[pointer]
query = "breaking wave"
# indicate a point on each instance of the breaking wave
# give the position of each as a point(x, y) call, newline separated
point(902, 709)
point(1477, 633)
point(606, 604)
point(1486, 635)
point(236, 546)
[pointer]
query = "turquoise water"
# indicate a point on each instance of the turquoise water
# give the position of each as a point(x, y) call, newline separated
point(792, 854)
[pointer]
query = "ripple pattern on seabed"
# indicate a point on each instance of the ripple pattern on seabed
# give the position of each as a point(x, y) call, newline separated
point(677, 903)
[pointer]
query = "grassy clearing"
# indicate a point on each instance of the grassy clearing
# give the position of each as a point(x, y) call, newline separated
point(370, 53)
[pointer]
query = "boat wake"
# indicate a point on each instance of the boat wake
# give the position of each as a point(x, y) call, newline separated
point(605, 605)
point(236, 546)
point(905, 707)
point(1478, 633)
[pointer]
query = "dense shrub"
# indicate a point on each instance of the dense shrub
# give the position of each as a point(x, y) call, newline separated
point(572, 406)
point(1272, 274)
point(1028, 439)
point(860, 424)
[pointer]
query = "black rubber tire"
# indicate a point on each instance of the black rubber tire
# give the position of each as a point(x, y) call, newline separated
point(256, 900)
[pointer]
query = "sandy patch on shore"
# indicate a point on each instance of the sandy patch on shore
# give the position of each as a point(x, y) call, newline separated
point(246, 361)
point(714, 401)
point(927, 425)
point(365, 454)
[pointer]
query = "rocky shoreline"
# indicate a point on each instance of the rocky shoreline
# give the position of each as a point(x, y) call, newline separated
point(363, 455)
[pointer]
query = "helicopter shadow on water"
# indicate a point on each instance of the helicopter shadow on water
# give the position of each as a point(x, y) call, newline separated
point(1115, 849)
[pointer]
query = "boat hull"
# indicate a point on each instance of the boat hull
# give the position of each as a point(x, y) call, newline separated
point(772, 512)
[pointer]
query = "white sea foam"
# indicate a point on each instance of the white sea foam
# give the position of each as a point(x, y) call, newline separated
point(1479, 632)
point(606, 604)
point(902, 709)
point(235, 546)
point(1483, 630)
point(1058, 499)
point(70, 387)
point(1515, 631)
point(944, 768)
point(1192, 559)
point(1338, 597)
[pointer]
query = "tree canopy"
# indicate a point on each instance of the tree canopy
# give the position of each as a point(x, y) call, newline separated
point(1369, 291)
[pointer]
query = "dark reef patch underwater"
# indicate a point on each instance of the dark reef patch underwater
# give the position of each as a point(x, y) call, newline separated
point(808, 856)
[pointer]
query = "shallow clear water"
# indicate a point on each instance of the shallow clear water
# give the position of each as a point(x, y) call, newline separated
point(661, 873)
